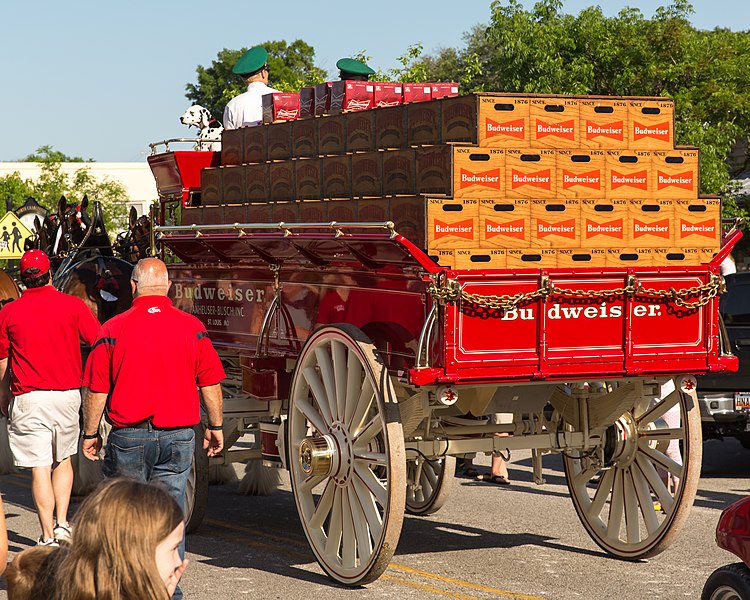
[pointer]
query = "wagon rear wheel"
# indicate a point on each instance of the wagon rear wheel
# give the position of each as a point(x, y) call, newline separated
point(347, 461)
point(626, 507)
point(429, 483)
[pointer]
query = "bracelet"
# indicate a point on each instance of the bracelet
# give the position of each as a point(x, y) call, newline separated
point(91, 436)
point(214, 427)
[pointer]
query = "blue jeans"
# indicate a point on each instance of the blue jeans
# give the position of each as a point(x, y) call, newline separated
point(165, 456)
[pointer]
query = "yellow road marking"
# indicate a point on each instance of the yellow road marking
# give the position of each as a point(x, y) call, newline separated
point(462, 583)
point(426, 588)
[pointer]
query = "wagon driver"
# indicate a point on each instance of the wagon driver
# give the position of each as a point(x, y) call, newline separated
point(40, 336)
point(247, 108)
point(146, 368)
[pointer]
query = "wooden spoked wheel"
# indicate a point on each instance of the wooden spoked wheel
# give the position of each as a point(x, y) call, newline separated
point(635, 504)
point(346, 448)
point(428, 483)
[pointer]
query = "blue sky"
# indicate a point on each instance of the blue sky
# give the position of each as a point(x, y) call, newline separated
point(103, 79)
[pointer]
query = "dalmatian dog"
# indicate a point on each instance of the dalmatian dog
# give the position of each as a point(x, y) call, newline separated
point(209, 137)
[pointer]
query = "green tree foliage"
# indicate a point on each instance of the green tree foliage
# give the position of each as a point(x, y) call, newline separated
point(543, 50)
point(53, 182)
point(46, 154)
point(291, 66)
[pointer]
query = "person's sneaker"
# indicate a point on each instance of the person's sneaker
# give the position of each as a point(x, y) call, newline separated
point(50, 542)
point(62, 532)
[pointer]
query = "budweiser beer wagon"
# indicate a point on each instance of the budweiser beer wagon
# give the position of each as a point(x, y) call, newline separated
point(381, 282)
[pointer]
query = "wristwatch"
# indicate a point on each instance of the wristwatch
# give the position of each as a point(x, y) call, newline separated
point(90, 436)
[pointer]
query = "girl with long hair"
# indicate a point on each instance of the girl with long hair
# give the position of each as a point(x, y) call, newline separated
point(125, 545)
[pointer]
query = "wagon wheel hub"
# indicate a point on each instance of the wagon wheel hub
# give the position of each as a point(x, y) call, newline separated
point(328, 455)
point(621, 442)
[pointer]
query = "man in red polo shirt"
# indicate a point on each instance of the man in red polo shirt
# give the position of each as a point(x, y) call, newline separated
point(40, 337)
point(146, 368)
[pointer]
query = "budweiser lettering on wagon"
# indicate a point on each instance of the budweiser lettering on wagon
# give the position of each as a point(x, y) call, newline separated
point(613, 130)
point(565, 229)
point(514, 229)
point(638, 180)
point(460, 229)
point(614, 229)
point(515, 128)
point(490, 179)
point(658, 132)
point(590, 179)
point(565, 129)
point(679, 180)
point(540, 179)
point(657, 228)
point(705, 228)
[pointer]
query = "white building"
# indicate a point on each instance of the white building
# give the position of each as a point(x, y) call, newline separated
point(135, 176)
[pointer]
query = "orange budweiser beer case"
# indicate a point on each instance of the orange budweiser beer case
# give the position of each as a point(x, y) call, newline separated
point(603, 122)
point(478, 172)
point(675, 173)
point(629, 174)
point(698, 223)
point(280, 106)
point(651, 223)
point(554, 122)
point(452, 223)
point(556, 223)
point(651, 123)
point(604, 223)
point(530, 173)
point(580, 173)
point(504, 223)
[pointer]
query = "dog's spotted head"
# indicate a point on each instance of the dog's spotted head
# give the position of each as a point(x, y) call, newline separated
point(196, 116)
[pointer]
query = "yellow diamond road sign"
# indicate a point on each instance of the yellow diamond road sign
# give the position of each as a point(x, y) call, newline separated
point(13, 234)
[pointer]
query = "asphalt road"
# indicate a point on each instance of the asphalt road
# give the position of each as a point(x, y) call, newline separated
point(522, 541)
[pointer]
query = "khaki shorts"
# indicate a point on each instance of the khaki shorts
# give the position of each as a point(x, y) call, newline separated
point(44, 427)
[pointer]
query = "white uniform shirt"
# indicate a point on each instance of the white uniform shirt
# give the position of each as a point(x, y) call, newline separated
point(247, 109)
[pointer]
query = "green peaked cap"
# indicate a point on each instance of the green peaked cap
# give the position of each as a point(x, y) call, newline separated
point(251, 61)
point(349, 65)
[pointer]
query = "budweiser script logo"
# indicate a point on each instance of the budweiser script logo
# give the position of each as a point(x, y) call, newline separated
point(612, 130)
point(637, 180)
point(513, 229)
point(657, 228)
point(614, 229)
point(460, 229)
point(565, 130)
point(515, 128)
point(490, 179)
point(658, 132)
point(679, 180)
point(558, 312)
point(539, 179)
point(590, 179)
point(705, 228)
point(566, 229)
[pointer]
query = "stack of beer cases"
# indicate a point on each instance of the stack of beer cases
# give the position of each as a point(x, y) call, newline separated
point(560, 181)
point(486, 180)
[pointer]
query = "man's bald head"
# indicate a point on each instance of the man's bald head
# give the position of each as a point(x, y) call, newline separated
point(150, 277)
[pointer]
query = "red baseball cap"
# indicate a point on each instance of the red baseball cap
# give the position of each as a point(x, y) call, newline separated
point(34, 259)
